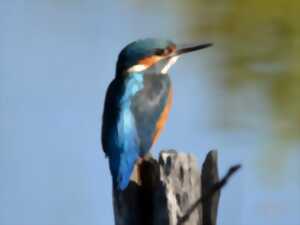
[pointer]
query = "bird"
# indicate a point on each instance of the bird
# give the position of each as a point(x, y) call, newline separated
point(137, 103)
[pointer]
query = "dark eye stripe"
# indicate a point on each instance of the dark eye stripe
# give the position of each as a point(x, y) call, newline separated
point(165, 52)
point(159, 52)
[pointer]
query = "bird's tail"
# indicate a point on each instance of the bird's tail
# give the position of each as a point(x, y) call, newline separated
point(122, 170)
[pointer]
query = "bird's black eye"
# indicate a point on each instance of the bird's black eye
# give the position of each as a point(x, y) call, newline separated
point(164, 51)
point(159, 52)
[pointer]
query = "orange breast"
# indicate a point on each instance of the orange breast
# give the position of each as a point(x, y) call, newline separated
point(163, 117)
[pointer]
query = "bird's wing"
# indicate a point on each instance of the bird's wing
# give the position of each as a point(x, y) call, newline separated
point(110, 115)
point(134, 112)
point(150, 107)
point(119, 136)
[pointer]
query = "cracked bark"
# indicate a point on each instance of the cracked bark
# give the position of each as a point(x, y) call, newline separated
point(165, 190)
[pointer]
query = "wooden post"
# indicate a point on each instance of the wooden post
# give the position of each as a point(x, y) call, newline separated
point(165, 190)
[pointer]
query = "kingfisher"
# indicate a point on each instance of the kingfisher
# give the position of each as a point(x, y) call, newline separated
point(138, 102)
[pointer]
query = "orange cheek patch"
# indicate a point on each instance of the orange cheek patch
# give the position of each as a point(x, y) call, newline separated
point(149, 60)
point(163, 117)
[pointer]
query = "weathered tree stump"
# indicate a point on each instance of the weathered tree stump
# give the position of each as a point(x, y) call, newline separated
point(163, 192)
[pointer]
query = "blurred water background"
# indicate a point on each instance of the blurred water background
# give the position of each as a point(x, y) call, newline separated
point(240, 97)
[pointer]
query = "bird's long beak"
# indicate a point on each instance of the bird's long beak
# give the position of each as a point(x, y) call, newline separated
point(190, 48)
point(172, 58)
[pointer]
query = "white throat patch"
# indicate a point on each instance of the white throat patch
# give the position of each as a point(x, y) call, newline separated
point(137, 68)
point(169, 64)
point(142, 67)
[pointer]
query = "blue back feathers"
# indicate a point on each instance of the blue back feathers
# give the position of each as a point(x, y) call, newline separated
point(119, 135)
point(133, 106)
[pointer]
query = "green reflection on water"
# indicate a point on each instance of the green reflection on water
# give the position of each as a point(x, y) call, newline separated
point(260, 46)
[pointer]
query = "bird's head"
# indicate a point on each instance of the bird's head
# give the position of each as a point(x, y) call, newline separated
point(148, 53)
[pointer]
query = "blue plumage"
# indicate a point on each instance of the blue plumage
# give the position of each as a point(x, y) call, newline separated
point(137, 104)
point(129, 120)
point(119, 130)
point(134, 103)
